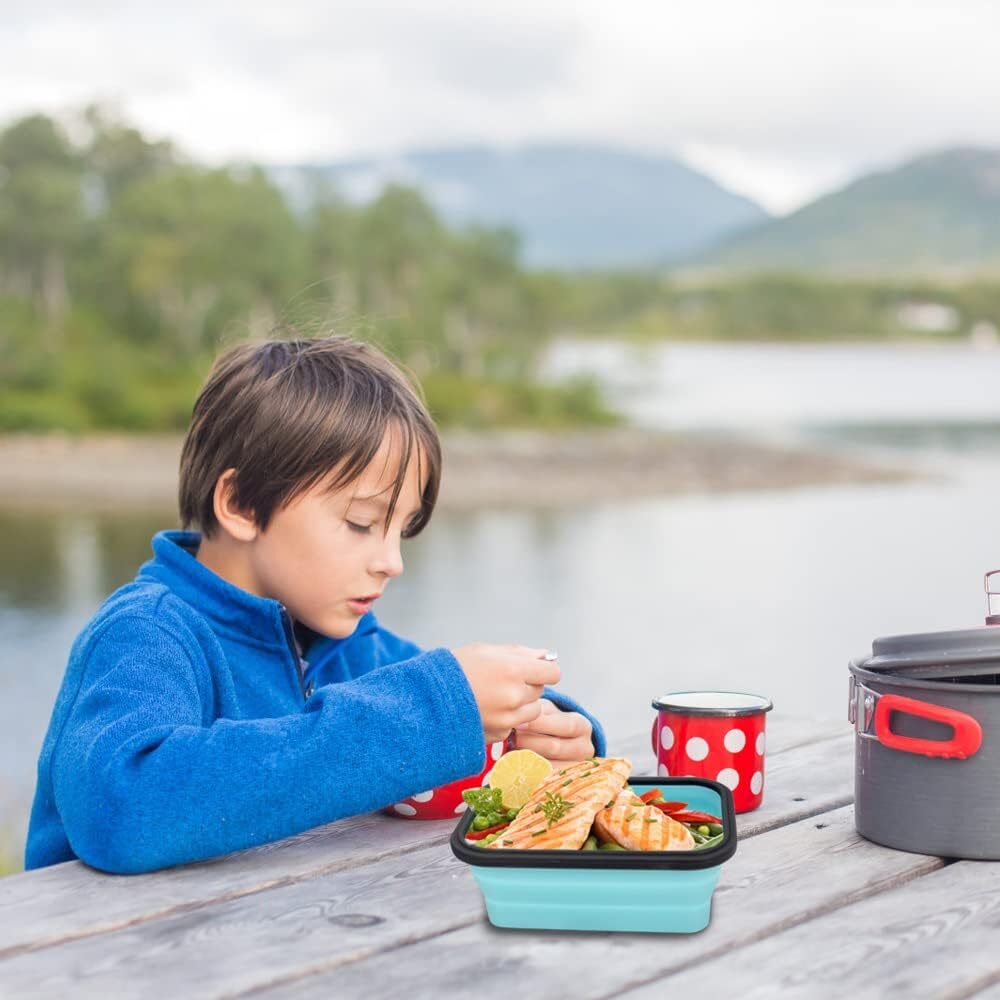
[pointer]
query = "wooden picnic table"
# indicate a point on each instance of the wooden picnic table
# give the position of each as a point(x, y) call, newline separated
point(379, 907)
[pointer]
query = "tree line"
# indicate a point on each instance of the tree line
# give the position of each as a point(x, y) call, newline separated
point(125, 267)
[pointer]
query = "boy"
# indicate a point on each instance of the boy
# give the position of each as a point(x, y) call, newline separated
point(240, 690)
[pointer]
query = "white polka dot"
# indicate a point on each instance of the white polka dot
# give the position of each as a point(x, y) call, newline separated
point(666, 737)
point(729, 776)
point(486, 779)
point(496, 750)
point(760, 744)
point(423, 796)
point(661, 770)
point(697, 748)
point(405, 809)
point(461, 807)
point(735, 740)
point(756, 782)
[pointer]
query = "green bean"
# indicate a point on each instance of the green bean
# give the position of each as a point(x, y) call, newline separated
point(712, 842)
point(715, 828)
point(610, 847)
point(590, 844)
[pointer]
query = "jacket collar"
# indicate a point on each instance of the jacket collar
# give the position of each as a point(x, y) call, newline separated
point(229, 608)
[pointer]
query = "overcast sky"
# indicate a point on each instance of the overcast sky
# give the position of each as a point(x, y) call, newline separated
point(778, 99)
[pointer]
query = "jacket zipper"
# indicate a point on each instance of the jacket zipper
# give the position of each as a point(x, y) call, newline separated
point(293, 646)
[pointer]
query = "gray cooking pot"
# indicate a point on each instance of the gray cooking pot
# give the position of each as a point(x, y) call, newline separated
point(926, 713)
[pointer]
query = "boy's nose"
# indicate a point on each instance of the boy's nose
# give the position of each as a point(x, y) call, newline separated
point(390, 561)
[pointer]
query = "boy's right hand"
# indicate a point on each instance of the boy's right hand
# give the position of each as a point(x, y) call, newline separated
point(507, 682)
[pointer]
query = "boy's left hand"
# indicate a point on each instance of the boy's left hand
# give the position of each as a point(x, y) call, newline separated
point(557, 735)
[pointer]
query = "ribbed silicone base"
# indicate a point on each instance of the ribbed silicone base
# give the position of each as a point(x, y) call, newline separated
point(609, 899)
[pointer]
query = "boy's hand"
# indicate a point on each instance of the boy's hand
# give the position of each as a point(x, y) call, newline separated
point(556, 735)
point(507, 682)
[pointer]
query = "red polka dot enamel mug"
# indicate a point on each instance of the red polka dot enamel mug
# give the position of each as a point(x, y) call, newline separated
point(713, 734)
point(446, 802)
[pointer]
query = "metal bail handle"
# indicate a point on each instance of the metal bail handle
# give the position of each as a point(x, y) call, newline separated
point(967, 734)
point(991, 584)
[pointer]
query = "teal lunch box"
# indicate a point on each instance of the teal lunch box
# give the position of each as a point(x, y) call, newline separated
point(659, 891)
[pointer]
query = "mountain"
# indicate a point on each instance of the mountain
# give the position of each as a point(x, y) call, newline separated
point(938, 212)
point(575, 206)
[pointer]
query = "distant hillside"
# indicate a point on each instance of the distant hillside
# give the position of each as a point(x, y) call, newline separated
point(940, 211)
point(573, 205)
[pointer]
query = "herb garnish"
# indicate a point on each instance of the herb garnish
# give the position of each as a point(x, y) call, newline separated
point(555, 807)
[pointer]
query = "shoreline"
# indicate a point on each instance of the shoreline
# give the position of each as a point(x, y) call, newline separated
point(507, 469)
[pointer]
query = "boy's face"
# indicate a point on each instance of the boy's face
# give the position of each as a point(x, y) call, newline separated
point(324, 551)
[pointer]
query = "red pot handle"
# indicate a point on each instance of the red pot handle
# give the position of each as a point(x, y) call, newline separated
point(966, 738)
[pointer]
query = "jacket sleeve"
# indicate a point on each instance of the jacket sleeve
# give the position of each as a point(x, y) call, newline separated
point(371, 646)
point(567, 704)
point(143, 781)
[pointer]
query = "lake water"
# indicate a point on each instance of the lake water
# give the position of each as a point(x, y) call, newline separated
point(766, 591)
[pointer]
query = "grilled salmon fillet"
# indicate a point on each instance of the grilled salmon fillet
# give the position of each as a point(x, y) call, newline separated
point(628, 821)
point(585, 788)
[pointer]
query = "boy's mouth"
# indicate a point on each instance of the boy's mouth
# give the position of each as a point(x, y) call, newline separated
point(361, 604)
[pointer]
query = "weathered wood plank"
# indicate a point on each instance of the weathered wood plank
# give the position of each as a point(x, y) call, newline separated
point(331, 922)
point(933, 937)
point(43, 907)
point(991, 992)
point(776, 880)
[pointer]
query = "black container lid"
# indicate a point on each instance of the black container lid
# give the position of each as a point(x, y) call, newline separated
point(682, 860)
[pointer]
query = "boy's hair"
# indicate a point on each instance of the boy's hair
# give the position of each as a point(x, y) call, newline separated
point(285, 413)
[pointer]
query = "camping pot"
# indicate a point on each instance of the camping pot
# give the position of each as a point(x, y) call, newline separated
point(926, 714)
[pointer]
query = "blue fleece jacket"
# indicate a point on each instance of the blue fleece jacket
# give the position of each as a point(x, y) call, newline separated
point(195, 719)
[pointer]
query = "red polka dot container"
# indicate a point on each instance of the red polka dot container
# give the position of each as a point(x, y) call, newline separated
point(446, 802)
point(713, 734)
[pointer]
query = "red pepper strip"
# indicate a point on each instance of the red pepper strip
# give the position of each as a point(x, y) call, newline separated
point(695, 817)
point(648, 797)
point(669, 807)
point(479, 834)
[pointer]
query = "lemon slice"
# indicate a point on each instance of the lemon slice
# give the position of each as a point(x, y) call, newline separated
point(517, 774)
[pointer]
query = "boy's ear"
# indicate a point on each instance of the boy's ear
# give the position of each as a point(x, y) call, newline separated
point(238, 524)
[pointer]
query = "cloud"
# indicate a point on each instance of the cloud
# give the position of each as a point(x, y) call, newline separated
point(779, 98)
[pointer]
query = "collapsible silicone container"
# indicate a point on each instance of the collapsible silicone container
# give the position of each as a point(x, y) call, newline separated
point(657, 891)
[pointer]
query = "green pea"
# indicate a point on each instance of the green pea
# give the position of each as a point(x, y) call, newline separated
point(611, 847)
point(511, 815)
point(480, 823)
point(704, 830)
point(715, 828)
point(489, 838)
point(590, 844)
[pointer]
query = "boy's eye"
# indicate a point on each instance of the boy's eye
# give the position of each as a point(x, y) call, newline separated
point(362, 529)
